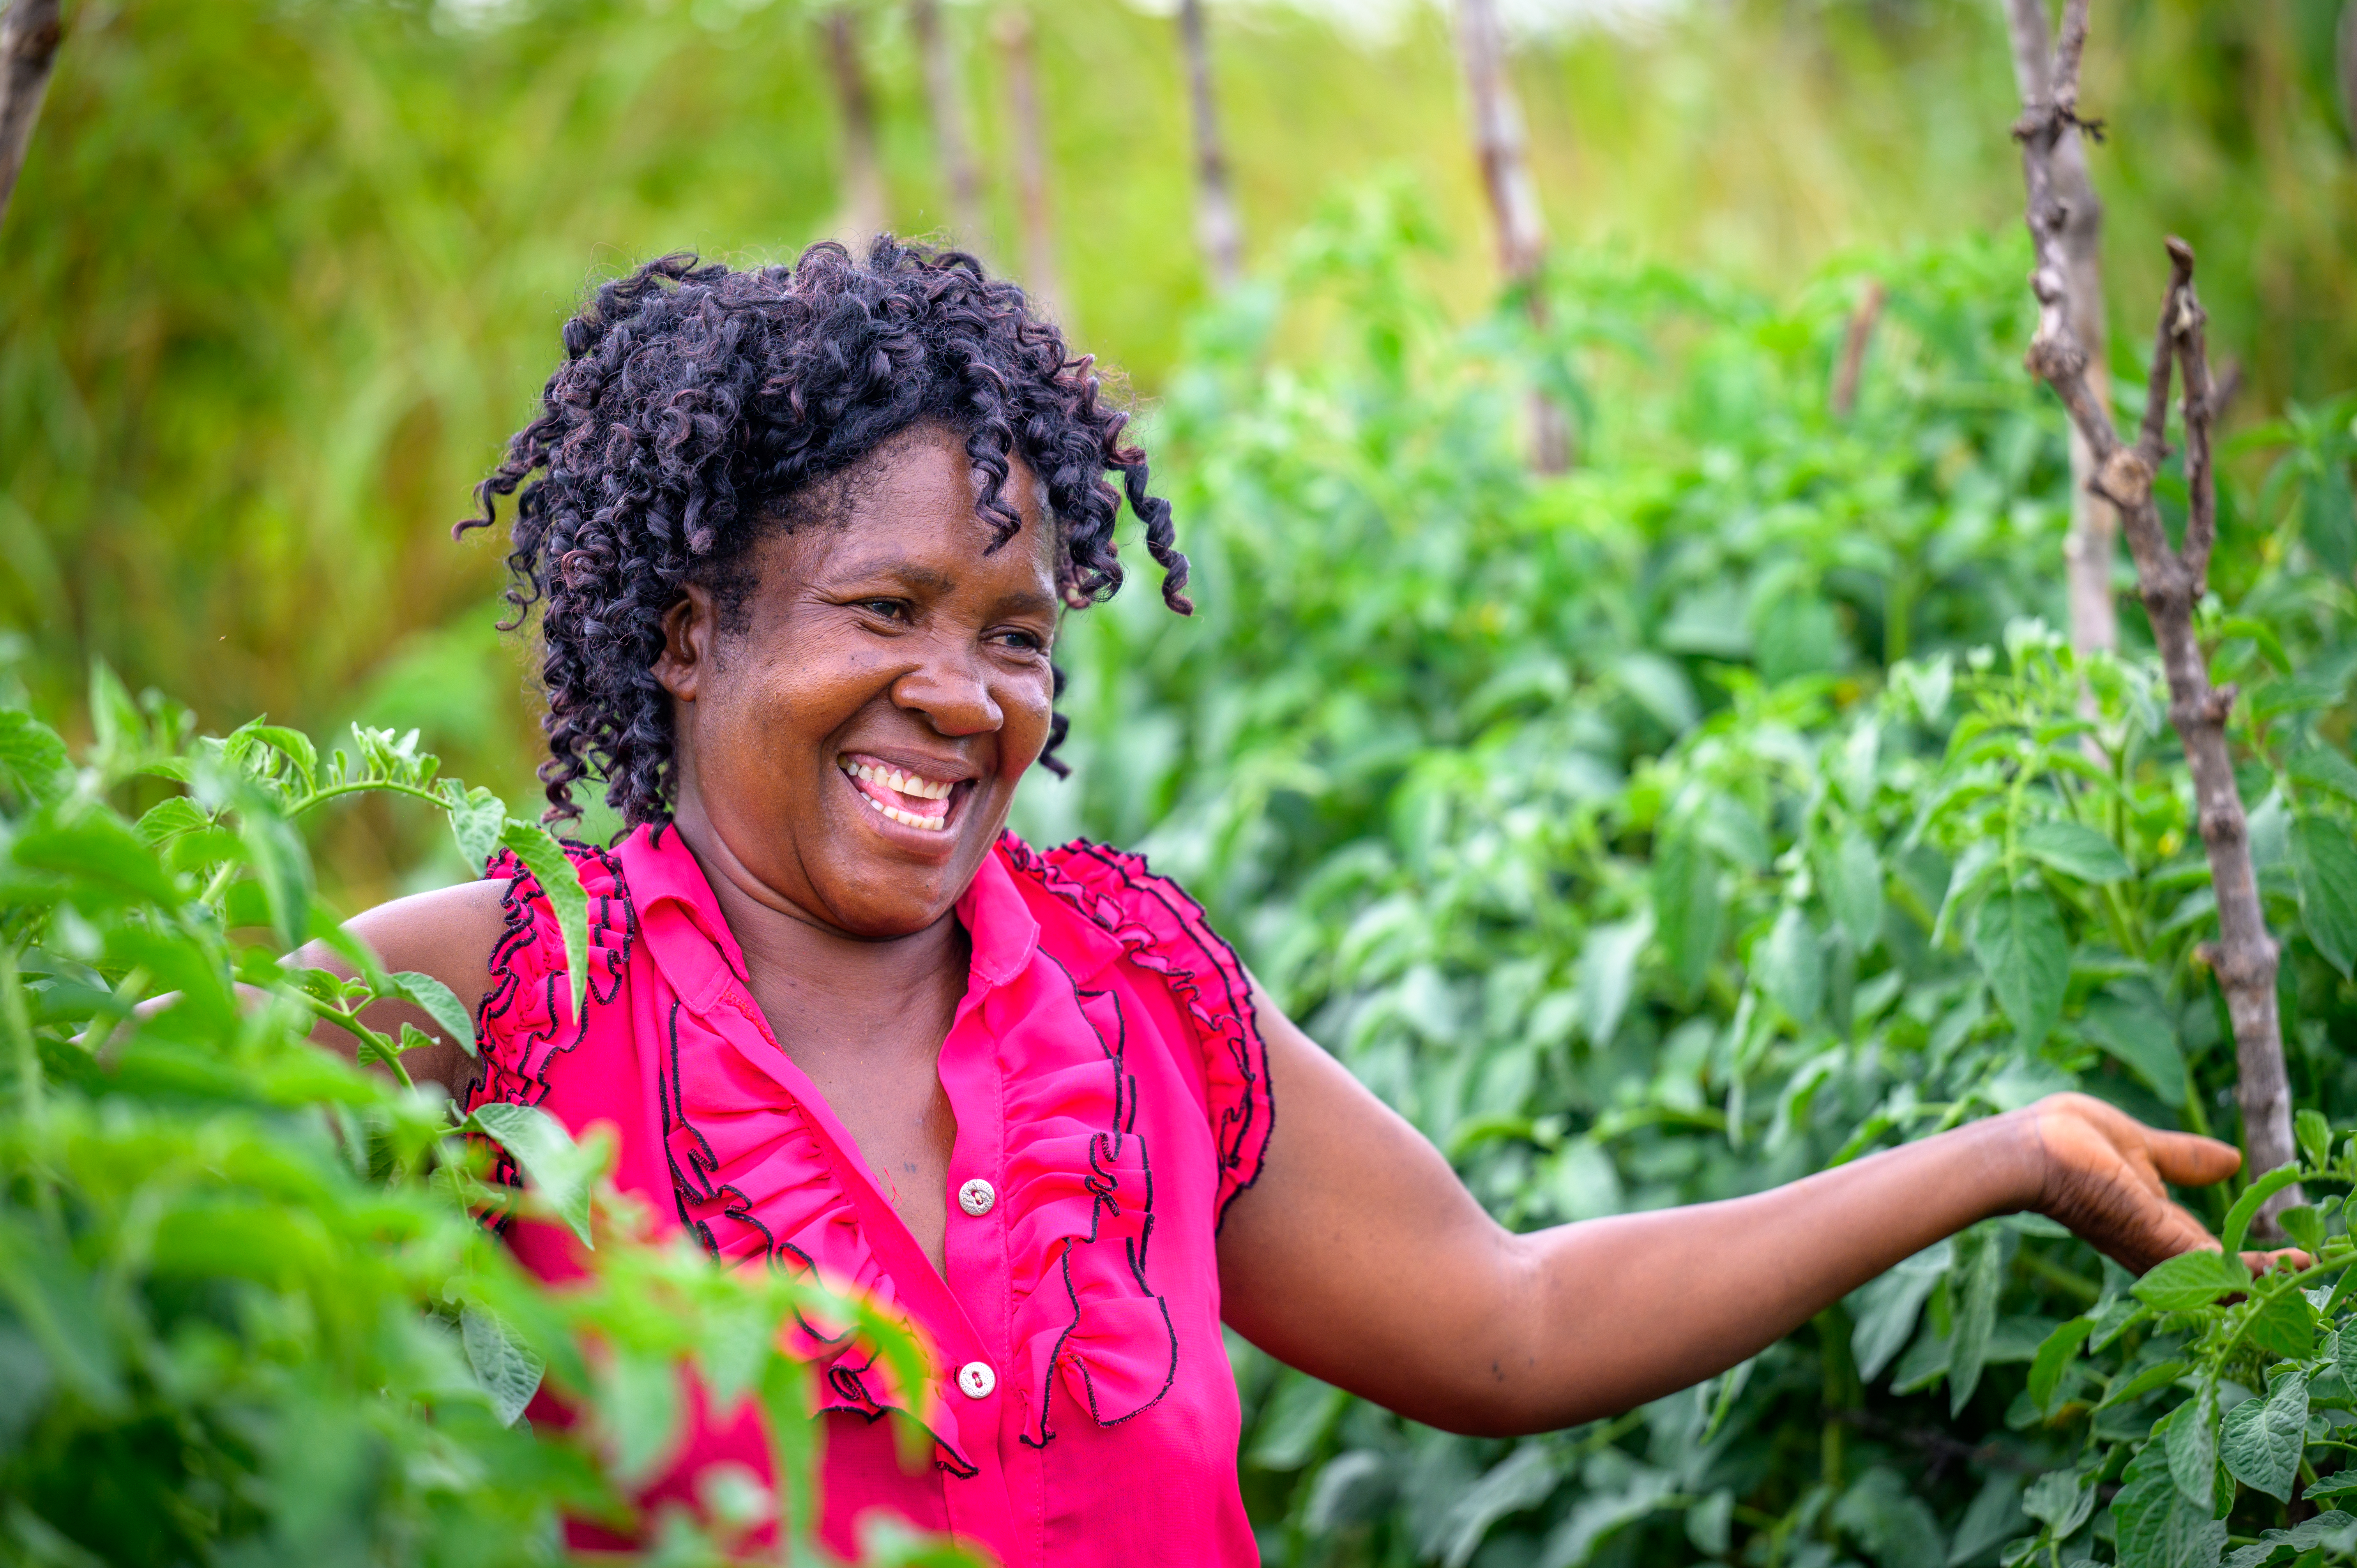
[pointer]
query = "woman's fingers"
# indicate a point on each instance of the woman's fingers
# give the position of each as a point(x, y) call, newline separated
point(2191, 1161)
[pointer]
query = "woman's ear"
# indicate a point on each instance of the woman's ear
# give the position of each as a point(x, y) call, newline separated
point(687, 642)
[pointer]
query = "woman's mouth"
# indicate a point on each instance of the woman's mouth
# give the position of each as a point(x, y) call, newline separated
point(900, 793)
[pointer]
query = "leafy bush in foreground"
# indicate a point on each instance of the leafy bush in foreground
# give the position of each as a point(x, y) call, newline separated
point(1721, 810)
point(250, 1310)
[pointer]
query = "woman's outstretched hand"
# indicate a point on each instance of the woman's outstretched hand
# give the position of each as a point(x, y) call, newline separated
point(2103, 1173)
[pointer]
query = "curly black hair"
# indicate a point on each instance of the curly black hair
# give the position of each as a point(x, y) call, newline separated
point(696, 408)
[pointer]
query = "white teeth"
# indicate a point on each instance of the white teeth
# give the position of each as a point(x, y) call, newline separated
point(911, 818)
point(910, 784)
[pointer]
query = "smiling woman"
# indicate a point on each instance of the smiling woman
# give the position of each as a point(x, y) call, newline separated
point(801, 539)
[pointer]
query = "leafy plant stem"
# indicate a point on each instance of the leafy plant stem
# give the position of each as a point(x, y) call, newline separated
point(372, 1044)
point(25, 1057)
point(105, 1041)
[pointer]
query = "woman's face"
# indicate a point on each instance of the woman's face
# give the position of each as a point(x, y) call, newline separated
point(848, 753)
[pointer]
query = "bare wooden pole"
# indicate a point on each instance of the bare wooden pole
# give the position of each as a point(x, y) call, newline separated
point(29, 32)
point(865, 211)
point(2093, 543)
point(1854, 339)
point(2345, 72)
point(1217, 229)
point(2171, 582)
point(1039, 276)
point(1498, 142)
point(946, 106)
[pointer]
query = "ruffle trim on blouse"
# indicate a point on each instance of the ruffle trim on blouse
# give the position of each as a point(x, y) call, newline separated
point(1165, 933)
point(1079, 1198)
point(753, 1181)
point(526, 1021)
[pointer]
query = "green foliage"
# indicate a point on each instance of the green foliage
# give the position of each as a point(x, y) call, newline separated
point(252, 1306)
point(1719, 811)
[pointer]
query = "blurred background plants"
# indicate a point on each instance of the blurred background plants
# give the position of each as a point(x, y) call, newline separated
point(1651, 833)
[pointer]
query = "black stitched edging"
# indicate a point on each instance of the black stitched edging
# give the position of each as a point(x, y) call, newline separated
point(1103, 1183)
point(518, 932)
point(693, 1183)
point(1235, 1125)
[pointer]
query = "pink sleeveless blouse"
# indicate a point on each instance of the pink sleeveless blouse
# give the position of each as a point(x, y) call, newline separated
point(1112, 1097)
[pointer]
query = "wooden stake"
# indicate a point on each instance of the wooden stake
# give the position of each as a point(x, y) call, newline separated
point(2093, 543)
point(30, 33)
point(1039, 276)
point(2171, 583)
point(1217, 229)
point(865, 211)
point(1854, 339)
point(946, 106)
point(1513, 201)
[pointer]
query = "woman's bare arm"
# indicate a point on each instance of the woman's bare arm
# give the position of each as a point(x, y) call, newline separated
point(447, 933)
point(1360, 1257)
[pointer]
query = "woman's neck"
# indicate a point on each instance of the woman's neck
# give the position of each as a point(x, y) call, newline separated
point(823, 988)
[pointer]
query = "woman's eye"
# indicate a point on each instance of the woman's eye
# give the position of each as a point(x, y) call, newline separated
point(1031, 641)
point(889, 610)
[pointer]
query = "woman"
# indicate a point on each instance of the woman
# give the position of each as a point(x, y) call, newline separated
point(802, 540)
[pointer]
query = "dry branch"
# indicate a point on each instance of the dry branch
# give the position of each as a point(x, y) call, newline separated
point(946, 107)
point(1514, 200)
point(1217, 229)
point(2093, 541)
point(29, 32)
point(2171, 583)
point(1039, 227)
point(865, 211)
point(1854, 339)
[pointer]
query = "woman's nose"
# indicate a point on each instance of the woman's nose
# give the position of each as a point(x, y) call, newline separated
point(951, 689)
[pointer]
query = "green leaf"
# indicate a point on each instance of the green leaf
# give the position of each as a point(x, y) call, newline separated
point(54, 1301)
point(439, 1002)
point(2190, 1281)
point(2261, 1440)
point(2131, 1029)
point(2327, 518)
point(281, 865)
point(1607, 976)
point(2283, 1325)
point(557, 1164)
point(639, 1407)
point(1852, 880)
point(2324, 863)
point(170, 817)
point(33, 761)
point(2191, 1444)
point(2323, 768)
point(1883, 1311)
point(2159, 1375)
point(2304, 1226)
point(1974, 1280)
point(2246, 1207)
point(554, 870)
point(508, 1369)
point(2055, 1354)
point(1688, 906)
point(1788, 964)
point(1993, 1518)
point(2314, 1136)
point(2019, 945)
point(2303, 1537)
point(1522, 1479)
point(2059, 1499)
point(2074, 849)
point(2157, 1528)
point(477, 818)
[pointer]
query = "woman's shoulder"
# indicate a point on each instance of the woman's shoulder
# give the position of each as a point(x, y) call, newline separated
point(1164, 932)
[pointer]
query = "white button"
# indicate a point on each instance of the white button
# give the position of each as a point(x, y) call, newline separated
point(977, 1380)
point(977, 1198)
